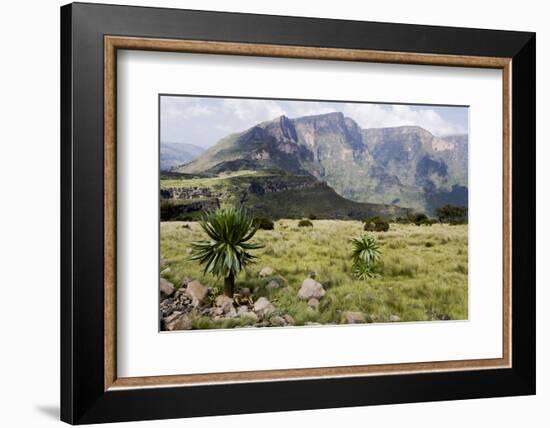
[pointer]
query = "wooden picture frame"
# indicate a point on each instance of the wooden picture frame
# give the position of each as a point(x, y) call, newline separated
point(91, 390)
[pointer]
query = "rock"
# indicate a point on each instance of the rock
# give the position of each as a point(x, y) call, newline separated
point(277, 321)
point(272, 285)
point(197, 292)
point(185, 281)
point(313, 303)
point(289, 320)
point(232, 313)
point(165, 271)
point(263, 307)
point(242, 310)
point(394, 318)
point(266, 271)
point(245, 292)
point(182, 323)
point(353, 317)
point(216, 311)
point(166, 288)
point(225, 303)
point(311, 288)
point(250, 315)
point(170, 321)
point(166, 307)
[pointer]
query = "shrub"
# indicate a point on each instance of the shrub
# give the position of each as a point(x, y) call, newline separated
point(312, 217)
point(264, 223)
point(365, 255)
point(376, 224)
point(382, 226)
point(452, 214)
point(305, 223)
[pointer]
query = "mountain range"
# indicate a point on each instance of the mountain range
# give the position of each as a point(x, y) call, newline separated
point(175, 154)
point(404, 166)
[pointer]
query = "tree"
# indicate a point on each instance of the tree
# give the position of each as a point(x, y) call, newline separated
point(452, 214)
point(227, 252)
point(365, 256)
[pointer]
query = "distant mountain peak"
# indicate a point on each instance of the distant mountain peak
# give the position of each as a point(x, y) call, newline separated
point(402, 165)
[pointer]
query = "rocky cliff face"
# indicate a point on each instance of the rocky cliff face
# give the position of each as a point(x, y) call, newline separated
point(405, 166)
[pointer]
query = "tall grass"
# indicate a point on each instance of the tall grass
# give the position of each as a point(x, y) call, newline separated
point(414, 280)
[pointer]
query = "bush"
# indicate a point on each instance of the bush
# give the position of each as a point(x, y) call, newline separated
point(264, 223)
point(382, 226)
point(305, 223)
point(452, 214)
point(312, 217)
point(376, 224)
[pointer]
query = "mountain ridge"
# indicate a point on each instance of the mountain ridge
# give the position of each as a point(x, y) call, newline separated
point(404, 165)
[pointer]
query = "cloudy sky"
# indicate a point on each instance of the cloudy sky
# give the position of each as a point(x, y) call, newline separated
point(203, 121)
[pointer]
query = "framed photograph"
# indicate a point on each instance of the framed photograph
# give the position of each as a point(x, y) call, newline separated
point(266, 213)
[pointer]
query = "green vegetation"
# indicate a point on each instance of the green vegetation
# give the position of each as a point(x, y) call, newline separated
point(452, 214)
point(305, 223)
point(264, 223)
point(227, 252)
point(267, 193)
point(376, 224)
point(365, 256)
point(422, 275)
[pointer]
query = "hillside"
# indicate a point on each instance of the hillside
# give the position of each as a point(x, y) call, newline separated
point(404, 166)
point(268, 193)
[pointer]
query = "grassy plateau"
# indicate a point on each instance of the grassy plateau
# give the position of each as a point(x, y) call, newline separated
point(422, 274)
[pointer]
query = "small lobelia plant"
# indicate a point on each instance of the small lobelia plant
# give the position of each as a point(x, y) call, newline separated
point(365, 255)
point(226, 253)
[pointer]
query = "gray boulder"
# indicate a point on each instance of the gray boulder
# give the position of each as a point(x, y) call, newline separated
point(351, 317)
point(166, 288)
point(263, 307)
point(197, 292)
point(225, 303)
point(311, 289)
point(266, 271)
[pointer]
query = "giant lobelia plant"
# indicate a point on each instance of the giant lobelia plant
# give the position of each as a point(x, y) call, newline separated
point(227, 251)
point(365, 255)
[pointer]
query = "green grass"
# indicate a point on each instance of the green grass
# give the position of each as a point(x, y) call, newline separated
point(423, 270)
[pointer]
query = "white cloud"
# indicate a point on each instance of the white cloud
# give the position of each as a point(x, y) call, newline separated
point(381, 116)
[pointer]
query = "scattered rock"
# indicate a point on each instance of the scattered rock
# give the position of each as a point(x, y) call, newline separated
point(166, 288)
point(289, 320)
point(263, 307)
point(277, 321)
point(242, 310)
point(353, 317)
point(250, 315)
point(232, 313)
point(394, 318)
point(166, 307)
point(311, 289)
point(266, 271)
point(225, 303)
point(197, 291)
point(170, 321)
point(182, 323)
point(313, 303)
point(216, 311)
point(185, 281)
point(272, 285)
